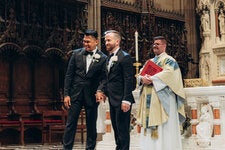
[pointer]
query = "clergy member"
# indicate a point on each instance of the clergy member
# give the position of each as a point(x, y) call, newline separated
point(161, 106)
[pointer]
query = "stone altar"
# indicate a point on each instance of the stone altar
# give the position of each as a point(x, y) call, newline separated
point(197, 98)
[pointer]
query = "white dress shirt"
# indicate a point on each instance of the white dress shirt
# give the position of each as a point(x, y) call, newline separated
point(89, 59)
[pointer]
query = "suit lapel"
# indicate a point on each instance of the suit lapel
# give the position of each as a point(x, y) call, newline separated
point(93, 61)
point(84, 60)
point(113, 64)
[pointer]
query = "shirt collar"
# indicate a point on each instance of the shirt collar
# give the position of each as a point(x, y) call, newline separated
point(161, 54)
point(95, 50)
point(115, 52)
point(156, 58)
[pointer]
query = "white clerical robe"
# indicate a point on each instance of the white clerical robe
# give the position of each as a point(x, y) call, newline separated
point(162, 106)
point(169, 136)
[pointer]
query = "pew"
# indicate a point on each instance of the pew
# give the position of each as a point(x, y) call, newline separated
point(12, 121)
point(59, 128)
point(51, 119)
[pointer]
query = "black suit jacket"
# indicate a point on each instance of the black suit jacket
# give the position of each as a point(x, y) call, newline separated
point(77, 80)
point(120, 80)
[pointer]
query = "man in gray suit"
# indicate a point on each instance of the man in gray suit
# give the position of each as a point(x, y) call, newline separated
point(84, 78)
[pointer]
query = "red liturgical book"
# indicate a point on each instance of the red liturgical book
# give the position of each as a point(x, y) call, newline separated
point(150, 68)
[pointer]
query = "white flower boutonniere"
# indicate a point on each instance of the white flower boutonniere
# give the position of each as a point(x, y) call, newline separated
point(96, 57)
point(114, 59)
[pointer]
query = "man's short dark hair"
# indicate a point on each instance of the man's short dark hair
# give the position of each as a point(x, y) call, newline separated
point(160, 38)
point(92, 33)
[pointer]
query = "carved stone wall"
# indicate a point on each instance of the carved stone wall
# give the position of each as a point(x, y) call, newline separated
point(209, 133)
point(212, 53)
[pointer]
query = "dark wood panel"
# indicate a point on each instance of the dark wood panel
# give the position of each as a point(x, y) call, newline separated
point(43, 80)
point(35, 38)
point(4, 87)
point(44, 104)
point(22, 106)
point(3, 106)
point(22, 80)
point(4, 79)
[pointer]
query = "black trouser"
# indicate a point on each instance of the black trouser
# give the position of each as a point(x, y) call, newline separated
point(71, 125)
point(121, 126)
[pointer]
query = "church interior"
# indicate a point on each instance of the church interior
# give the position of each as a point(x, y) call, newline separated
point(37, 38)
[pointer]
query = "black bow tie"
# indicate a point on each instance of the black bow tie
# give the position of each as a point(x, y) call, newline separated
point(88, 53)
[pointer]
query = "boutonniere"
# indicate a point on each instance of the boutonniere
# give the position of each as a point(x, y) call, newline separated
point(114, 59)
point(96, 57)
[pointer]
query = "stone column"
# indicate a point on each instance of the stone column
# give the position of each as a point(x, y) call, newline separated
point(194, 117)
point(217, 25)
point(206, 43)
point(107, 122)
point(94, 16)
point(136, 94)
point(216, 119)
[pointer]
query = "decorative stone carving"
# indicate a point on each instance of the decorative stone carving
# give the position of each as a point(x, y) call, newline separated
point(193, 82)
point(205, 126)
point(205, 21)
point(221, 21)
point(219, 67)
point(203, 4)
point(205, 66)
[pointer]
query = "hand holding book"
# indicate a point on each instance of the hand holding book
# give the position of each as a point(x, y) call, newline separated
point(150, 68)
point(146, 79)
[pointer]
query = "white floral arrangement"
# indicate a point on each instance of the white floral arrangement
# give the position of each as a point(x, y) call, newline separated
point(114, 59)
point(96, 57)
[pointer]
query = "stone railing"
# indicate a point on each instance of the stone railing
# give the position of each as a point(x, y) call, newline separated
point(206, 108)
point(207, 112)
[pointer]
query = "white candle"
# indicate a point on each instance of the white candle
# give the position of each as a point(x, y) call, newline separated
point(136, 45)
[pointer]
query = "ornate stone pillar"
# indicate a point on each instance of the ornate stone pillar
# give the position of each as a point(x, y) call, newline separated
point(107, 122)
point(216, 115)
point(136, 94)
point(206, 43)
point(194, 117)
point(217, 25)
point(94, 16)
point(205, 67)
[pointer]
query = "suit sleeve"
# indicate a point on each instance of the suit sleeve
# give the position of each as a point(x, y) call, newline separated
point(127, 65)
point(103, 78)
point(69, 75)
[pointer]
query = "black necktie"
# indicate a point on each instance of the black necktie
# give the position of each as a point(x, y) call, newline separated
point(109, 57)
point(88, 53)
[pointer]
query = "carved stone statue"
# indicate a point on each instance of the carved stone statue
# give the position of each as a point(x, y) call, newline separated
point(205, 126)
point(205, 21)
point(203, 4)
point(221, 21)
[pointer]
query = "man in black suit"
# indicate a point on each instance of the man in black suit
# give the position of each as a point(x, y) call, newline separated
point(119, 89)
point(84, 78)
